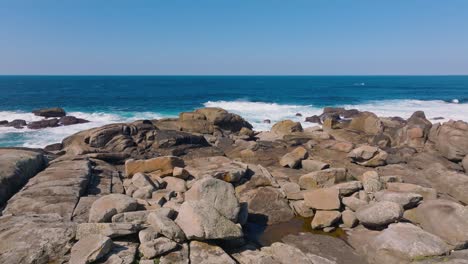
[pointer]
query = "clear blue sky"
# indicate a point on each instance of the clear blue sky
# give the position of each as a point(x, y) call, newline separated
point(313, 37)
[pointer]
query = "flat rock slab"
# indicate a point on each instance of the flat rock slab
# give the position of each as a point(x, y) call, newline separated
point(107, 229)
point(16, 168)
point(325, 246)
point(379, 214)
point(90, 249)
point(54, 190)
point(121, 253)
point(35, 238)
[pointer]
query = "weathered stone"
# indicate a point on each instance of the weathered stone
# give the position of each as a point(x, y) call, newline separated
point(217, 193)
point(254, 257)
point(368, 156)
point(366, 122)
point(426, 193)
point(314, 165)
point(325, 218)
point(267, 205)
point(286, 127)
point(451, 139)
point(353, 203)
point(107, 206)
point(143, 192)
point(323, 199)
point(156, 247)
point(302, 209)
point(331, 249)
point(217, 167)
point(349, 218)
point(323, 178)
point(165, 226)
point(34, 239)
point(107, 229)
point(407, 200)
point(163, 164)
point(449, 182)
point(293, 159)
point(57, 189)
point(348, 188)
point(141, 180)
point(17, 167)
point(446, 219)
point(371, 182)
point(175, 184)
point(201, 221)
point(284, 253)
point(404, 242)
point(121, 253)
point(138, 217)
point(54, 122)
point(180, 173)
point(178, 256)
point(90, 249)
point(204, 253)
point(379, 214)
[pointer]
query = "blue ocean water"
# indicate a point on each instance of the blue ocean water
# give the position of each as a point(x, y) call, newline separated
point(106, 99)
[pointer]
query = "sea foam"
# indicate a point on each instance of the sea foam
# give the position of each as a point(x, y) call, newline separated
point(254, 112)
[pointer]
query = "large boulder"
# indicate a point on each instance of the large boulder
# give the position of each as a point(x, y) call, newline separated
point(89, 249)
point(163, 164)
point(323, 199)
point(293, 159)
point(446, 219)
point(416, 131)
point(218, 167)
point(322, 178)
point(50, 112)
point(156, 247)
point(201, 221)
point(450, 182)
point(284, 253)
point(286, 127)
point(404, 243)
point(224, 120)
point(451, 139)
point(368, 156)
point(107, 229)
point(107, 206)
point(217, 193)
point(379, 214)
point(367, 123)
point(16, 167)
point(267, 205)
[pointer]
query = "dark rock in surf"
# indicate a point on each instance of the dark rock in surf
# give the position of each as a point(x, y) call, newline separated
point(71, 120)
point(54, 122)
point(50, 112)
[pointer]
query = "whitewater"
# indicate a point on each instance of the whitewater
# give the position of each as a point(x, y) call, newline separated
point(254, 112)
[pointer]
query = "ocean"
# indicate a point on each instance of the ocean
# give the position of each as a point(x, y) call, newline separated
point(110, 99)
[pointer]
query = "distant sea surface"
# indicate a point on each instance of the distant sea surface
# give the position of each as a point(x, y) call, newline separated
point(110, 99)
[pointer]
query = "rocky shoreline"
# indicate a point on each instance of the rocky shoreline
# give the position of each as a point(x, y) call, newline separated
point(201, 188)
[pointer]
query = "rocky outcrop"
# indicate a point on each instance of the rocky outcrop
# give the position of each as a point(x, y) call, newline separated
point(17, 167)
point(219, 192)
point(451, 139)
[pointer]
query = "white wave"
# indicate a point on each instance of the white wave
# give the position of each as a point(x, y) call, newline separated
point(256, 112)
point(39, 138)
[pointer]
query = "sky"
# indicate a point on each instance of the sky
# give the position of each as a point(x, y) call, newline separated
point(233, 37)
